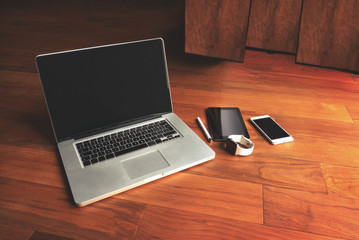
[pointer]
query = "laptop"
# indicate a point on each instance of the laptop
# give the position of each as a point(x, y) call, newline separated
point(112, 116)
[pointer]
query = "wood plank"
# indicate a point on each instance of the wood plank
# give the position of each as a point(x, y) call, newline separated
point(168, 223)
point(312, 128)
point(46, 166)
point(26, 122)
point(11, 232)
point(354, 112)
point(266, 170)
point(318, 150)
point(274, 25)
point(190, 72)
point(310, 212)
point(262, 104)
point(48, 209)
point(32, 131)
point(305, 89)
point(217, 28)
point(258, 61)
point(205, 195)
point(341, 181)
point(329, 34)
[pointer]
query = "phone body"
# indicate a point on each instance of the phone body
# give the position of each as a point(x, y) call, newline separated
point(225, 121)
point(271, 130)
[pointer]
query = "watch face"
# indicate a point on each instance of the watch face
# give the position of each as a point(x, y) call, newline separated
point(231, 147)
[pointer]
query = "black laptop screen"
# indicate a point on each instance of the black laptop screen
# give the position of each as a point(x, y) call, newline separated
point(92, 88)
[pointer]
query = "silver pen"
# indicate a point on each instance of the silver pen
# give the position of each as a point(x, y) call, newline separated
point(204, 129)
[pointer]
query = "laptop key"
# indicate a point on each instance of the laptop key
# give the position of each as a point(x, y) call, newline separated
point(111, 155)
point(87, 153)
point(169, 133)
point(94, 160)
point(86, 163)
point(101, 153)
point(86, 158)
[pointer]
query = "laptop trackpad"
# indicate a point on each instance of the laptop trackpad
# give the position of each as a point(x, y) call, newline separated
point(144, 164)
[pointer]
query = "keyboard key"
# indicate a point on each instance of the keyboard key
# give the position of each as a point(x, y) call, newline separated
point(87, 153)
point(84, 150)
point(94, 160)
point(108, 156)
point(84, 159)
point(86, 163)
point(169, 133)
point(101, 153)
point(79, 146)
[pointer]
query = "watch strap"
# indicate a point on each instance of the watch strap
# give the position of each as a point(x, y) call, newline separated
point(235, 149)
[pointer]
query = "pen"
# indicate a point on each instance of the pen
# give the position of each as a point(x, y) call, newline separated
point(204, 130)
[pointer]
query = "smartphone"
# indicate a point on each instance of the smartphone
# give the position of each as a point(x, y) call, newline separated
point(271, 130)
point(225, 121)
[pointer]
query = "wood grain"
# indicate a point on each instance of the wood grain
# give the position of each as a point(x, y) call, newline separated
point(217, 28)
point(48, 209)
point(354, 112)
point(309, 212)
point(329, 34)
point(341, 181)
point(274, 25)
point(262, 104)
point(267, 170)
point(214, 196)
point(45, 165)
point(9, 232)
point(176, 224)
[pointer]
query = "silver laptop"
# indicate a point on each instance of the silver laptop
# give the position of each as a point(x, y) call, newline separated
point(111, 111)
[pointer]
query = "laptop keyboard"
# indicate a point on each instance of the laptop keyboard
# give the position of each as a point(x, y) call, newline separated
point(115, 144)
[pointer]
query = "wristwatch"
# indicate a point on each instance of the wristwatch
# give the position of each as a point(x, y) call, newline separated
point(235, 149)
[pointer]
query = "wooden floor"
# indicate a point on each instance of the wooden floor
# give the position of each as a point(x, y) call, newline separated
point(307, 189)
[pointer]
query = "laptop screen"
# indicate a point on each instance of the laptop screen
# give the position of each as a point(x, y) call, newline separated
point(91, 88)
